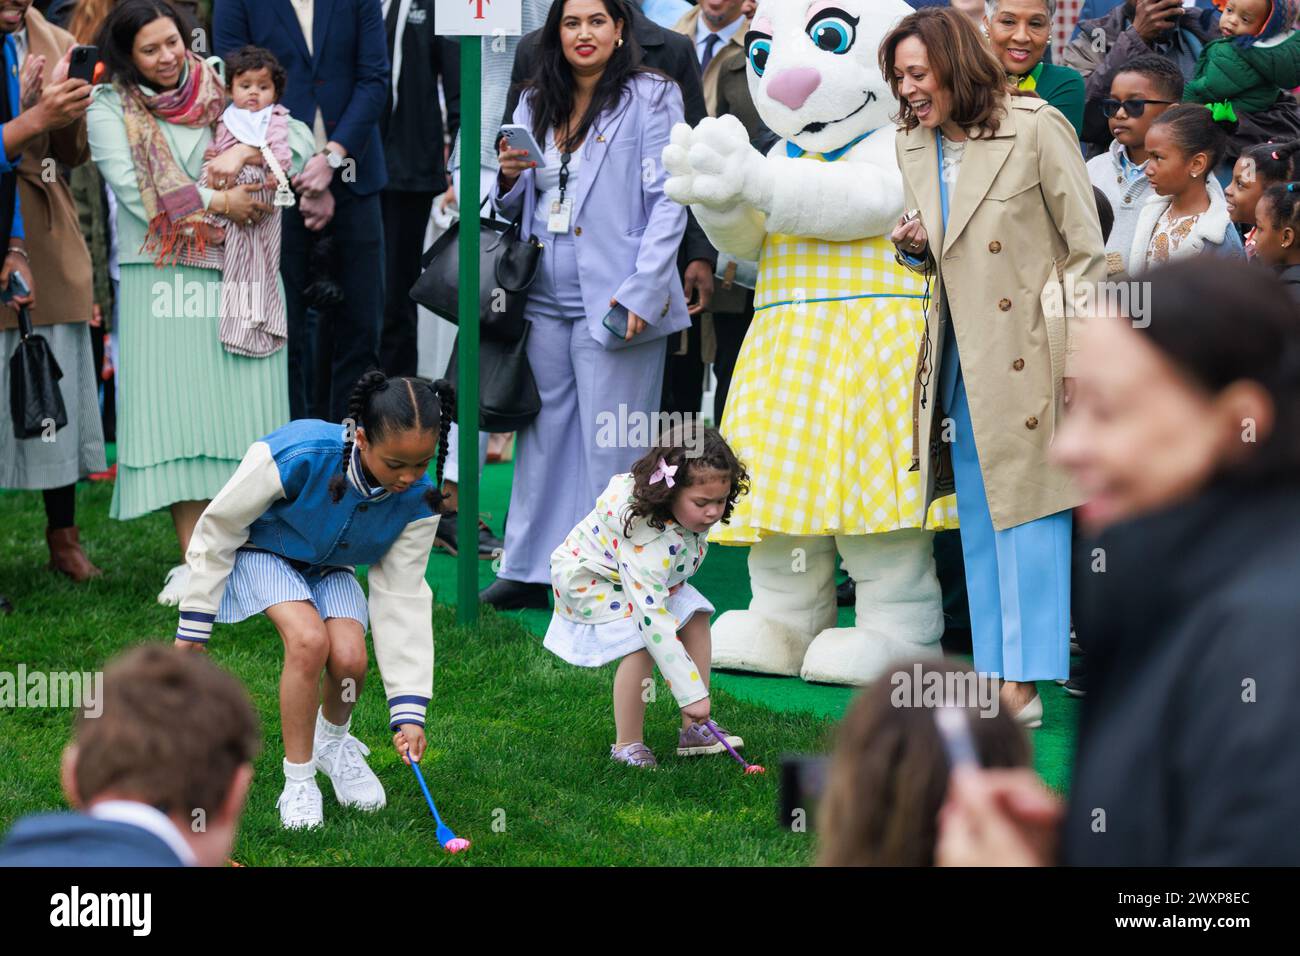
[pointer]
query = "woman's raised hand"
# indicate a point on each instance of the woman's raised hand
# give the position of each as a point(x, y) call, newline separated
point(511, 162)
point(32, 81)
point(909, 236)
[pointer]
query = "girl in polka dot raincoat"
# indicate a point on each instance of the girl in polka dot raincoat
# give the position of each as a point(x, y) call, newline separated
point(622, 592)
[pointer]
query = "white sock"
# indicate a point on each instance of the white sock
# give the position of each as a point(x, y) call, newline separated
point(326, 730)
point(299, 772)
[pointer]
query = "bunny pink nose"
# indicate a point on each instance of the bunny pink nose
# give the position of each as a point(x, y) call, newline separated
point(793, 87)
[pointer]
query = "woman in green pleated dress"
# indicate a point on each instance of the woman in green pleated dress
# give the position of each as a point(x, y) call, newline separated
point(187, 408)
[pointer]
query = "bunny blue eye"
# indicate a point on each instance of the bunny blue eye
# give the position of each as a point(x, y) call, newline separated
point(758, 51)
point(834, 31)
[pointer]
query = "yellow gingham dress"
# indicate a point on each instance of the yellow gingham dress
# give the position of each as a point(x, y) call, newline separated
point(820, 406)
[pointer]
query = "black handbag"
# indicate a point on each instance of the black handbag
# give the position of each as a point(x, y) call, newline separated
point(508, 396)
point(507, 267)
point(34, 396)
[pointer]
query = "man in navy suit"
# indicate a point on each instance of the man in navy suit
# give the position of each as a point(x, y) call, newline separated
point(158, 778)
point(336, 56)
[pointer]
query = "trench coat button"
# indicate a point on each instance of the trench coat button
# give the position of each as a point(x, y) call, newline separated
point(363, 506)
point(1018, 364)
point(1004, 305)
point(343, 544)
point(1031, 422)
point(577, 230)
point(995, 247)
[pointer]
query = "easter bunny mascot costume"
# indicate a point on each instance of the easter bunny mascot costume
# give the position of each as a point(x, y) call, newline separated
point(821, 403)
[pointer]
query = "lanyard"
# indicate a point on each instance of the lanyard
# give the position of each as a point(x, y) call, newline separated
point(564, 173)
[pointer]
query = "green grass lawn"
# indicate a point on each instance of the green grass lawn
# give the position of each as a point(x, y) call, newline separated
point(518, 740)
point(518, 756)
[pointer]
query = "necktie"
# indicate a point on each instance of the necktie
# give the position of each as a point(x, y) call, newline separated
point(710, 45)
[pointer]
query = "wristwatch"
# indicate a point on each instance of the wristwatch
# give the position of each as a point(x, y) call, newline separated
point(334, 159)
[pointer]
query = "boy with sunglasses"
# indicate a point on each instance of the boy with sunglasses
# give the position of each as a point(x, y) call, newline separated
point(1145, 87)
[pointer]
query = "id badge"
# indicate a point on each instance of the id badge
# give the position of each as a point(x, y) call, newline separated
point(561, 213)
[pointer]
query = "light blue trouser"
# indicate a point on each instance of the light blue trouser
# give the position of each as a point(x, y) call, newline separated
point(1018, 579)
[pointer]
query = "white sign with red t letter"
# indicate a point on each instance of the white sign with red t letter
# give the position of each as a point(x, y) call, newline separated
point(469, 18)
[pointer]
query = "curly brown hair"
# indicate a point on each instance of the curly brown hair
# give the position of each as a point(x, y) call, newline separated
point(654, 502)
point(962, 64)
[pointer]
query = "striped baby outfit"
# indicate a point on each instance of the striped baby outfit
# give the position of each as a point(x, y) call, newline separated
point(253, 319)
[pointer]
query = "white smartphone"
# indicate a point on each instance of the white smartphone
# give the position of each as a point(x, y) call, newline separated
point(521, 137)
point(958, 742)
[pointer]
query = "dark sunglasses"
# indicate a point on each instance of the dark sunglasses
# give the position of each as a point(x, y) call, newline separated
point(1134, 108)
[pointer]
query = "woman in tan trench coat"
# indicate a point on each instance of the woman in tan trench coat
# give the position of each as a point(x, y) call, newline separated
point(60, 267)
point(1006, 213)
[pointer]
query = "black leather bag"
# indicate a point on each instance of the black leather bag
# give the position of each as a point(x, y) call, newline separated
point(35, 400)
point(507, 267)
point(508, 396)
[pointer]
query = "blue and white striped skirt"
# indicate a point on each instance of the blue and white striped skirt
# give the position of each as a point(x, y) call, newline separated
point(260, 579)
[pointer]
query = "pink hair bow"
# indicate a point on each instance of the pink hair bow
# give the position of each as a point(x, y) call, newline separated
point(664, 472)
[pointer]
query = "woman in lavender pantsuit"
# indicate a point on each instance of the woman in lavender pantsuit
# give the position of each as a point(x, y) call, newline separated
point(610, 236)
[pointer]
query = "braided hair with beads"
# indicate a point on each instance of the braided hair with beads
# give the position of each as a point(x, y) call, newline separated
point(383, 405)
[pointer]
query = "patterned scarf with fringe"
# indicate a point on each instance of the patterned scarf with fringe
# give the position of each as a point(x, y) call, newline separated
point(177, 232)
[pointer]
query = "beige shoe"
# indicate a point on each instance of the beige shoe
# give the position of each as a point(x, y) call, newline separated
point(1031, 715)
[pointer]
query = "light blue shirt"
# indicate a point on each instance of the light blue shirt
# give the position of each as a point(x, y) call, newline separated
point(702, 34)
point(666, 13)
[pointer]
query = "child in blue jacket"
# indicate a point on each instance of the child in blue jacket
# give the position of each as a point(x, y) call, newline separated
point(308, 503)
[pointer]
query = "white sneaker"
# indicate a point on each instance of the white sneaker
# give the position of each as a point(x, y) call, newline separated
point(344, 760)
point(300, 805)
point(1031, 715)
point(174, 588)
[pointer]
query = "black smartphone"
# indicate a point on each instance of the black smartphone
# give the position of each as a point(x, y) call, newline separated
point(17, 286)
point(83, 63)
point(616, 321)
point(803, 781)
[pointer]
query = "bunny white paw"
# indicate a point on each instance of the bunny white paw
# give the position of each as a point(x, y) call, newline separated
point(714, 165)
point(680, 184)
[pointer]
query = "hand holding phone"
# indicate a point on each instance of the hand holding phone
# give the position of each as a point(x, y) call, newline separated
point(14, 290)
point(909, 235)
point(520, 139)
point(616, 321)
point(82, 64)
point(622, 324)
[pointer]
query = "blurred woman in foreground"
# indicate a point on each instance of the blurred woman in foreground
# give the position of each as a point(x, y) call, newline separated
point(1185, 434)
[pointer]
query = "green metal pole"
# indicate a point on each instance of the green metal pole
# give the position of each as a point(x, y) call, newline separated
point(471, 55)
